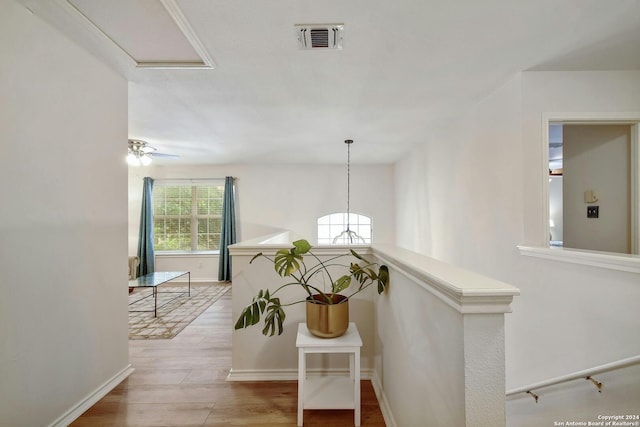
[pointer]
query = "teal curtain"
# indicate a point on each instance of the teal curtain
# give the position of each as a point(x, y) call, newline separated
point(145, 237)
point(228, 234)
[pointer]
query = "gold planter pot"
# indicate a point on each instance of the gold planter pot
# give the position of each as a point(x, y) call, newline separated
point(327, 320)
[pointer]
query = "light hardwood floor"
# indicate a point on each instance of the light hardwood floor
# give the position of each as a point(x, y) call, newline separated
point(181, 382)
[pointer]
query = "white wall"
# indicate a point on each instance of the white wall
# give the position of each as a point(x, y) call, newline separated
point(419, 355)
point(271, 198)
point(474, 191)
point(460, 193)
point(63, 266)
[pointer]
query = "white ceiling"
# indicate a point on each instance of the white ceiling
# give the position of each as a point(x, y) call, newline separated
point(405, 66)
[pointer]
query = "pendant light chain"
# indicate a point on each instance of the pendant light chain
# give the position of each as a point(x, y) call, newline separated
point(348, 142)
point(348, 234)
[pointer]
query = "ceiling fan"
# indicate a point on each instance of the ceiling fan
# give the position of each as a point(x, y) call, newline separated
point(140, 153)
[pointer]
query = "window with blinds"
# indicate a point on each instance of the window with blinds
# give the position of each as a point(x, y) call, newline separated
point(187, 217)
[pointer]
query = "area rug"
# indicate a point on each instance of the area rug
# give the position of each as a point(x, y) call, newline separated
point(175, 315)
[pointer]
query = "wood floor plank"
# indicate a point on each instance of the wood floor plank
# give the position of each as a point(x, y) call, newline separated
point(182, 382)
point(146, 414)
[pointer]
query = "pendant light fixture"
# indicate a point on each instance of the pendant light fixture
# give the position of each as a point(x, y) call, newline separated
point(349, 235)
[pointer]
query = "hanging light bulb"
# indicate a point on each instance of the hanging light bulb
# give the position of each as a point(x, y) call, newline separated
point(145, 159)
point(132, 159)
point(348, 234)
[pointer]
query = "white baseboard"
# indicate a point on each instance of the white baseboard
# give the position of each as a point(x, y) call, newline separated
point(86, 403)
point(382, 401)
point(288, 374)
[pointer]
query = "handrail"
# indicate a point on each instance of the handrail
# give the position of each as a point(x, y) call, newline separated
point(586, 374)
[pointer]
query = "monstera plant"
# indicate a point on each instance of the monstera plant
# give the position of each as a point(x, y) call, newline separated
point(328, 284)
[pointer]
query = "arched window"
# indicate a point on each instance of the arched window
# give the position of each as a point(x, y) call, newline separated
point(330, 226)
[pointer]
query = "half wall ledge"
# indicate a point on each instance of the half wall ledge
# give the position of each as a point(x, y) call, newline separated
point(463, 290)
point(609, 260)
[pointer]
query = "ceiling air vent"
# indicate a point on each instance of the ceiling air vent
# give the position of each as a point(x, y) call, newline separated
point(319, 36)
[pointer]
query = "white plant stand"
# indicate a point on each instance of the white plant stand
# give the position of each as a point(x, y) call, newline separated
point(329, 392)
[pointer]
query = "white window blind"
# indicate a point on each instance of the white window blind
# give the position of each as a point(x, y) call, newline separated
point(187, 215)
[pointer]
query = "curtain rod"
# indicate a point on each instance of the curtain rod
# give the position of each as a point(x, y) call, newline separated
point(194, 180)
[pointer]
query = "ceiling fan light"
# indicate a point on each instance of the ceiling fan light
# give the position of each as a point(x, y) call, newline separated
point(133, 160)
point(145, 160)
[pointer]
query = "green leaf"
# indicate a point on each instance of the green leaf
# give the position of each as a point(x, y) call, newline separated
point(274, 319)
point(341, 284)
point(247, 318)
point(268, 326)
point(256, 313)
point(357, 272)
point(281, 317)
point(355, 254)
point(383, 278)
point(301, 247)
point(250, 315)
point(240, 323)
point(287, 262)
point(371, 274)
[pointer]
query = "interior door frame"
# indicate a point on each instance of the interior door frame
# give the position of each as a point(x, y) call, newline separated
point(622, 118)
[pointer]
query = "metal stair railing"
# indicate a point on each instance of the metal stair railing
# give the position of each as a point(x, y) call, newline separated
point(586, 374)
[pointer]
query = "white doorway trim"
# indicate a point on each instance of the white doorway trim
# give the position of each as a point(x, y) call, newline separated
point(632, 119)
point(615, 261)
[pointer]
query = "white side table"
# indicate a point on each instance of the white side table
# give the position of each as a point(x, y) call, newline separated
point(329, 392)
